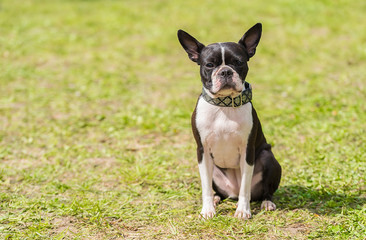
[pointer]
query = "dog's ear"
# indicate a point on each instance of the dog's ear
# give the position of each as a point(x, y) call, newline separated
point(191, 45)
point(251, 39)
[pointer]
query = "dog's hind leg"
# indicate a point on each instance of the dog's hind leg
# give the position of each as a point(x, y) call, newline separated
point(270, 171)
point(225, 183)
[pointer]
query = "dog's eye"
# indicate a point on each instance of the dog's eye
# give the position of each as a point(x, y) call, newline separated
point(238, 62)
point(209, 65)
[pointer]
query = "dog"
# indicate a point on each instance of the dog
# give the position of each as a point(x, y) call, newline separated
point(234, 158)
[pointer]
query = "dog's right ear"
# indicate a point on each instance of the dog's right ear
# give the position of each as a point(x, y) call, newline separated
point(191, 45)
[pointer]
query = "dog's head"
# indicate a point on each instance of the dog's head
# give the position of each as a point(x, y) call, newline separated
point(223, 66)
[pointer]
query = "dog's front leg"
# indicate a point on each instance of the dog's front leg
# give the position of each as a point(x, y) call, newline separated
point(206, 170)
point(243, 208)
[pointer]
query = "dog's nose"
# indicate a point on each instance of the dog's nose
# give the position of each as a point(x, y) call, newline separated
point(226, 72)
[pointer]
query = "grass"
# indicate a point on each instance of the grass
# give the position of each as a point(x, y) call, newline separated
point(95, 101)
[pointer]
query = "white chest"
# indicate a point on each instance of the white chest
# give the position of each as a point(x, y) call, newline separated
point(224, 132)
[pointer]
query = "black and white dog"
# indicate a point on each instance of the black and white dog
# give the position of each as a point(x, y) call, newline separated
point(234, 157)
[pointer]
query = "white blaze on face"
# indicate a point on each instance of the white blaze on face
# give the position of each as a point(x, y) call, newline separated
point(216, 83)
point(222, 54)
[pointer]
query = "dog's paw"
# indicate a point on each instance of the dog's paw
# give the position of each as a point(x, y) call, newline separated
point(217, 200)
point(242, 211)
point(268, 205)
point(242, 214)
point(208, 212)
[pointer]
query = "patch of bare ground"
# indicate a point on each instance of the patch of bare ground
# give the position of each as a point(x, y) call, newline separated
point(71, 227)
point(66, 226)
point(34, 159)
point(101, 162)
point(118, 229)
point(297, 230)
point(292, 231)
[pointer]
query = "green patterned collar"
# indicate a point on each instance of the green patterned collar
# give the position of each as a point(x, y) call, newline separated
point(243, 98)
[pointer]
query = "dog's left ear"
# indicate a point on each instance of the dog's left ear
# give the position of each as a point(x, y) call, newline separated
point(251, 39)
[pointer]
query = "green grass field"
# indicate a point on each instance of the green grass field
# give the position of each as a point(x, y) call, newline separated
point(95, 105)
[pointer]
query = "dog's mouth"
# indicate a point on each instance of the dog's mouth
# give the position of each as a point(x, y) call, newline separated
point(226, 86)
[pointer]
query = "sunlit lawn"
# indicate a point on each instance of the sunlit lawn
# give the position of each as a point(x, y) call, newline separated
point(95, 104)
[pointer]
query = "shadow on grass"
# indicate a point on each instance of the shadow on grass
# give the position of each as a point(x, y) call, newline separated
point(323, 201)
point(318, 201)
